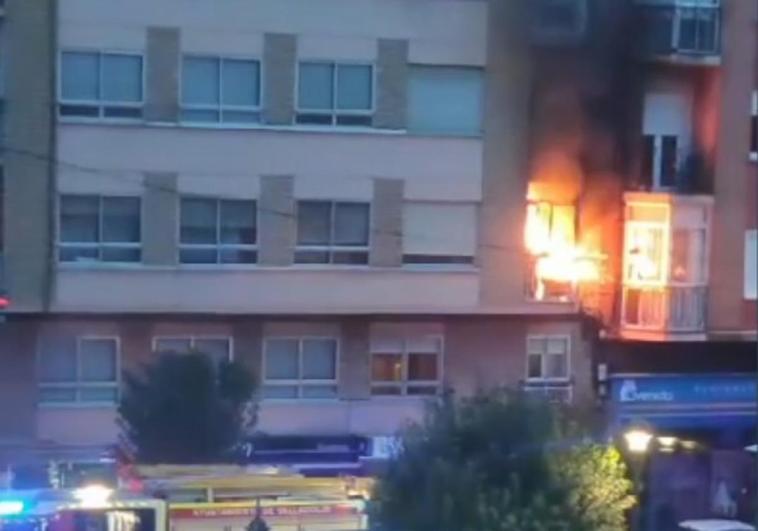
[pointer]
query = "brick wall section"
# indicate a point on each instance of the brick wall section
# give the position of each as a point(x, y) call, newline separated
point(160, 218)
point(733, 171)
point(163, 59)
point(276, 216)
point(354, 362)
point(29, 191)
point(279, 62)
point(18, 390)
point(387, 223)
point(392, 84)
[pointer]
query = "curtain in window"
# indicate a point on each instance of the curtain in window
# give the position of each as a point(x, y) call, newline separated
point(200, 81)
point(240, 83)
point(198, 221)
point(97, 359)
point(354, 87)
point(122, 78)
point(79, 76)
point(316, 86)
point(445, 100)
point(351, 224)
point(121, 219)
point(79, 219)
point(314, 222)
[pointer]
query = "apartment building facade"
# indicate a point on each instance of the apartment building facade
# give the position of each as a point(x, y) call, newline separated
point(338, 206)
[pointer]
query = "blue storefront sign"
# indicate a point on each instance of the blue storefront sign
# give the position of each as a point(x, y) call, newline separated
point(714, 401)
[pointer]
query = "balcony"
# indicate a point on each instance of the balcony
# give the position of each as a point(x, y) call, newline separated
point(665, 265)
point(682, 31)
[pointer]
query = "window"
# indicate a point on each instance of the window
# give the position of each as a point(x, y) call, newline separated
point(406, 364)
point(101, 85)
point(218, 231)
point(439, 233)
point(220, 90)
point(661, 160)
point(217, 348)
point(754, 126)
point(335, 94)
point(99, 229)
point(751, 264)
point(332, 232)
point(300, 368)
point(445, 100)
point(84, 370)
point(548, 357)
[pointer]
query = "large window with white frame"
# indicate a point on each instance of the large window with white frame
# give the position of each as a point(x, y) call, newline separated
point(332, 232)
point(218, 348)
point(84, 370)
point(99, 229)
point(96, 84)
point(300, 367)
point(220, 90)
point(333, 93)
point(548, 357)
point(445, 100)
point(218, 231)
point(406, 363)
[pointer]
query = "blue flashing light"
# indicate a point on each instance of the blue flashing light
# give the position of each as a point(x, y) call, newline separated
point(11, 507)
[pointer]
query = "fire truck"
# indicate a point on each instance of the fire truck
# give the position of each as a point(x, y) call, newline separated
point(91, 508)
point(230, 498)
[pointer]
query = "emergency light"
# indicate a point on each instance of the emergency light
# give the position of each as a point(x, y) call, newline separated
point(11, 507)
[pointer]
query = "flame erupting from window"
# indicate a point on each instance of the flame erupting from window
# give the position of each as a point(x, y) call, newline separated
point(558, 260)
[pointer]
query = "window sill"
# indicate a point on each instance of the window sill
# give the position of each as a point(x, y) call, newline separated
point(294, 268)
point(547, 382)
point(294, 128)
point(77, 405)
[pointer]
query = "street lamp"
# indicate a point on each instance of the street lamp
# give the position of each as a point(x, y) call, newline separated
point(638, 440)
point(638, 444)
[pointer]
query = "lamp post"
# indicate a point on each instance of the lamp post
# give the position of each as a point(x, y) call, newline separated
point(258, 523)
point(638, 444)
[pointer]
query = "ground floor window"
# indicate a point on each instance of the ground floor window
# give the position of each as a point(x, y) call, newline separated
point(82, 370)
point(300, 368)
point(406, 363)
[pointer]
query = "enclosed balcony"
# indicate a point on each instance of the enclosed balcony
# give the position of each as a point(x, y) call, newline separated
point(665, 265)
point(686, 31)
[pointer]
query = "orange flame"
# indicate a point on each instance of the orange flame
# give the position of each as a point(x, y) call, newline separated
point(549, 236)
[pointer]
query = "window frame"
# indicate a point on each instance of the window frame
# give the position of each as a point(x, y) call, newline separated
point(221, 108)
point(193, 338)
point(331, 248)
point(543, 359)
point(334, 113)
point(753, 155)
point(76, 385)
point(404, 383)
point(218, 246)
point(100, 245)
point(300, 383)
point(750, 292)
point(102, 104)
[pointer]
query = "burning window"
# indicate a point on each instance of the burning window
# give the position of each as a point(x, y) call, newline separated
point(558, 263)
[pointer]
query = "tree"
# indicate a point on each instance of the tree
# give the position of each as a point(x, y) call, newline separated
point(183, 408)
point(499, 462)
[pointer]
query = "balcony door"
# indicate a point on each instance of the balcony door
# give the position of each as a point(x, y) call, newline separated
point(666, 129)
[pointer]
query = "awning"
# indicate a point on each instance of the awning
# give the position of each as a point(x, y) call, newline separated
point(688, 402)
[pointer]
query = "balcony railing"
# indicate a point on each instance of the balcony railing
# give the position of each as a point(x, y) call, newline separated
point(555, 392)
point(685, 28)
point(670, 308)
